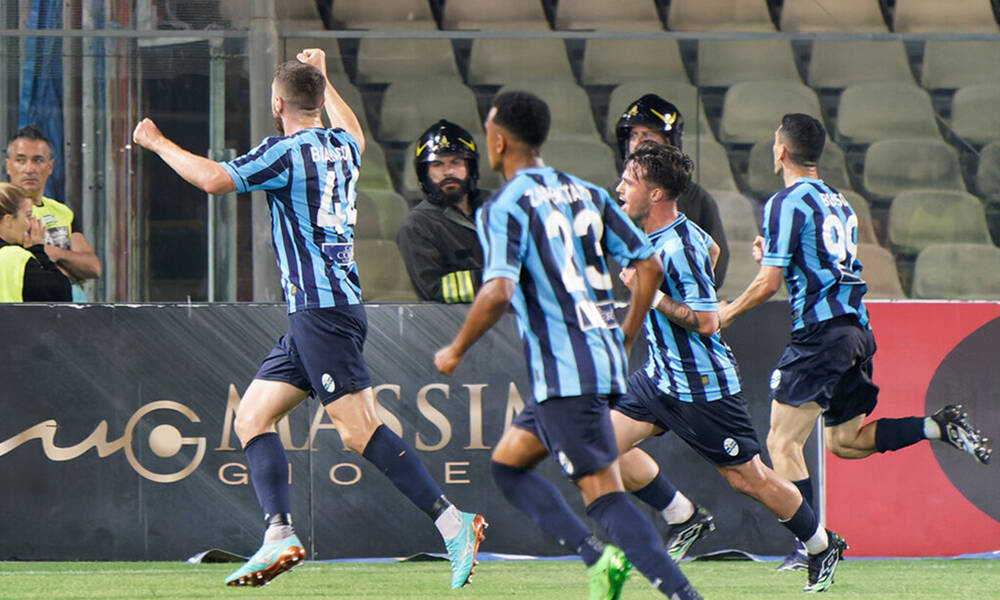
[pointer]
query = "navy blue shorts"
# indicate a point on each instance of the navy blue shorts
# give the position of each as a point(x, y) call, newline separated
point(720, 430)
point(829, 363)
point(576, 430)
point(322, 352)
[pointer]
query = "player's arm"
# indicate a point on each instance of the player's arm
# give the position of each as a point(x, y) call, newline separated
point(489, 305)
point(764, 285)
point(648, 275)
point(701, 322)
point(714, 251)
point(203, 173)
point(80, 259)
point(337, 110)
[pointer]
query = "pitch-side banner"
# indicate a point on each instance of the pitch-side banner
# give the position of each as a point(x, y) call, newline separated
point(928, 499)
point(116, 436)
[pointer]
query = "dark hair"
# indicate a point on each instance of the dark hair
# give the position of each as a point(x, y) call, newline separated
point(664, 166)
point(300, 85)
point(804, 137)
point(524, 115)
point(11, 197)
point(30, 132)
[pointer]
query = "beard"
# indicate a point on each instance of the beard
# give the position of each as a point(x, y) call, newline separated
point(278, 124)
point(442, 198)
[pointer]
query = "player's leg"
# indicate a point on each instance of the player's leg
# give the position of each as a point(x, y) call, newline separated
point(579, 433)
point(362, 431)
point(634, 419)
point(263, 404)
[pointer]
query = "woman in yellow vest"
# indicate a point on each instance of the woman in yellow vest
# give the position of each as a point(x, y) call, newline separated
point(26, 272)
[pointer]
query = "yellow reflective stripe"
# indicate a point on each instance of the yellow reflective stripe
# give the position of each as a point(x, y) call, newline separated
point(467, 292)
point(449, 288)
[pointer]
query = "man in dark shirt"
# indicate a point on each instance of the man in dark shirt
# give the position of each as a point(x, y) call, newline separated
point(653, 118)
point(438, 238)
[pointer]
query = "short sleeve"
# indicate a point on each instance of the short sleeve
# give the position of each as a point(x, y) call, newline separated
point(502, 233)
point(781, 235)
point(266, 167)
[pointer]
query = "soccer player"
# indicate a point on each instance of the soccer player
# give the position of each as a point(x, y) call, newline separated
point(653, 118)
point(545, 235)
point(690, 384)
point(310, 173)
point(810, 242)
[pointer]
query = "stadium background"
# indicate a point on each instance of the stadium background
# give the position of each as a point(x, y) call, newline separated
point(907, 90)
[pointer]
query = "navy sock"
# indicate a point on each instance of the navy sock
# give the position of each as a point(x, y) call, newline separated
point(658, 493)
point(803, 523)
point(806, 489)
point(637, 537)
point(893, 434)
point(536, 497)
point(400, 464)
point(269, 473)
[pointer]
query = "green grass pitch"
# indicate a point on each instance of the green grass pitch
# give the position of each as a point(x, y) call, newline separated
point(716, 580)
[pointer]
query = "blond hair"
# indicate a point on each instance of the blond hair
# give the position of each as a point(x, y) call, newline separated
point(11, 197)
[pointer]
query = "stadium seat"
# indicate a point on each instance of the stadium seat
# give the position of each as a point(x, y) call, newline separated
point(919, 218)
point(488, 179)
point(894, 166)
point(927, 16)
point(681, 94)
point(880, 110)
point(722, 63)
point(367, 226)
point(398, 14)
point(988, 173)
point(719, 15)
point(957, 272)
point(509, 15)
point(409, 107)
point(763, 182)
point(612, 62)
point(975, 112)
point(568, 103)
point(840, 63)
point(591, 160)
point(866, 227)
point(382, 272)
point(389, 207)
point(711, 163)
point(854, 16)
point(600, 15)
point(952, 64)
point(291, 15)
point(752, 110)
point(499, 61)
point(374, 172)
point(738, 218)
point(388, 60)
point(334, 59)
point(879, 272)
point(741, 271)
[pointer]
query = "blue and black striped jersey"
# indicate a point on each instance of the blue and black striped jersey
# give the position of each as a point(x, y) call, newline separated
point(684, 364)
point(550, 232)
point(812, 232)
point(310, 179)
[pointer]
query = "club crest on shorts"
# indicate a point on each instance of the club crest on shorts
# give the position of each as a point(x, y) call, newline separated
point(328, 383)
point(565, 462)
point(730, 446)
point(775, 379)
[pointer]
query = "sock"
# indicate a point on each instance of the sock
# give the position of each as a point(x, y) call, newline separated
point(818, 542)
point(278, 528)
point(804, 526)
point(662, 495)
point(400, 464)
point(806, 489)
point(269, 473)
point(537, 498)
point(637, 537)
point(449, 522)
point(893, 434)
point(932, 430)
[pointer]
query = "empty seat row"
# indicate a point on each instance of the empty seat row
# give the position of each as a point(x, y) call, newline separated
point(907, 16)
